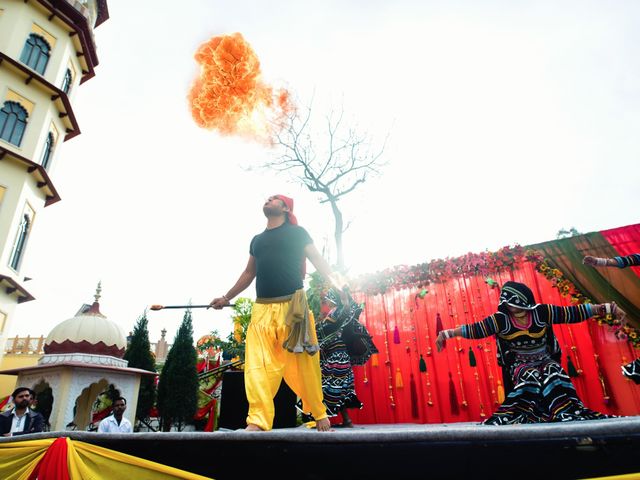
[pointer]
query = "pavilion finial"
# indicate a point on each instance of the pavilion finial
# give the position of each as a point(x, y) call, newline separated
point(98, 291)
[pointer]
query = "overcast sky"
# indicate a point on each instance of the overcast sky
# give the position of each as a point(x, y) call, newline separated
point(507, 121)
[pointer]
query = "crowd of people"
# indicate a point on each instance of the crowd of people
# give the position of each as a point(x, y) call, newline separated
point(22, 418)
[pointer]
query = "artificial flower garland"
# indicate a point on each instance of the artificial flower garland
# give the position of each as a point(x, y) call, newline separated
point(485, 264)
point(438, 271)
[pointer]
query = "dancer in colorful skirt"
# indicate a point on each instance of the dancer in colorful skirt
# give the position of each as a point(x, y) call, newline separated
point(630, 370)
point(542, 390)
point(344, 342)
point(281, 340)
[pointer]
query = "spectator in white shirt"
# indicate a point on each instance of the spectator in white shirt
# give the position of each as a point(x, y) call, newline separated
point(116, 423)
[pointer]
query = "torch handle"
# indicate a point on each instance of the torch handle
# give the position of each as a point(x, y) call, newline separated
point(164, 307)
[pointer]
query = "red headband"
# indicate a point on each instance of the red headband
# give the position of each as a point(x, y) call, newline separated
point(289, 203)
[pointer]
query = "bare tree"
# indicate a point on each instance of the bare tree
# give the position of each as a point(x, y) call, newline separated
point(332, 160)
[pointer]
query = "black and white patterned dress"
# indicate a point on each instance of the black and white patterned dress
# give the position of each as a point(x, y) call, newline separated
point(542, 390)
point(344, 342)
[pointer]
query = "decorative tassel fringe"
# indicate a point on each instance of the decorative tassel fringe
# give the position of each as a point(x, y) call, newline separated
point(414, 397)
point(396, 335)
point(571, 369)
point(472, 358)
point(453, 397)
point(399, 383)
point(422, 365)
point(500, 393)
point(374, 360)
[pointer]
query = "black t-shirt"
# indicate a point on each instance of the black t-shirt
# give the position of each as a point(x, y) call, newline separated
point(279, 255)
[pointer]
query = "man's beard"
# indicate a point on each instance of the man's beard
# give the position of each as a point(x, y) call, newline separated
point(271, 212)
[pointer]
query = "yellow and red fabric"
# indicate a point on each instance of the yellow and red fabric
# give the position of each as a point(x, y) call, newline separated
point(4, 402)
point(66, 459)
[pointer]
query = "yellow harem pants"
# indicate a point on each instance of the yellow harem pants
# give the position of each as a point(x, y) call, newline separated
point(267, 362)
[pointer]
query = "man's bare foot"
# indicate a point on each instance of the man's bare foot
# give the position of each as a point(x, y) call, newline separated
point(253, 428)
point(323, 425)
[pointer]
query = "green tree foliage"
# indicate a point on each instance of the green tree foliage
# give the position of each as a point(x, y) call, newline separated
point(139, 356)
point(178, 386)
point(566, 233)
point(318, 287)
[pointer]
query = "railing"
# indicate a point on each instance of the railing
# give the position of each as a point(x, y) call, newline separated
point(25, 345)
point(35, 345)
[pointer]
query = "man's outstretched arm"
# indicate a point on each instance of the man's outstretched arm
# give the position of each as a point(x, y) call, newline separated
point(245, 279)
point(335, 279)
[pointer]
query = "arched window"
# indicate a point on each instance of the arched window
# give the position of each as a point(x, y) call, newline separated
point(21, 242)
point(48, 151)
point(36, 53)
point(66, 83)
point(13, 121)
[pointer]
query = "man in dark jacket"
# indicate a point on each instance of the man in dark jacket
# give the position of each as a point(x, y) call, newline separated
point(21, 419)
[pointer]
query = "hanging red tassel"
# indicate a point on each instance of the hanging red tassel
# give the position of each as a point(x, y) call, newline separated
point(472, 358)
point(396, 335)
point(500, 393)
point(399, 383)
point(414, 397)
point(571, 369)
point(453, 397)
point(422, 365)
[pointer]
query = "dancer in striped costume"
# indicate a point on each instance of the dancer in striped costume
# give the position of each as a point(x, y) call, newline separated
point(528, 349)
point(344, 342)
point(630, 370)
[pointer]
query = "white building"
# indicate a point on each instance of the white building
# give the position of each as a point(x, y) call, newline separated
point(47, 50)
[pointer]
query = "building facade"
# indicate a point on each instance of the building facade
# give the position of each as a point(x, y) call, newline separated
point(47, 50)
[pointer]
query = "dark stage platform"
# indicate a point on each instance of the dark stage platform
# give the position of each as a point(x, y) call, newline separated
point(462, 450)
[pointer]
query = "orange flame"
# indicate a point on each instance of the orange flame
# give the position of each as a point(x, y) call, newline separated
point(230, 96)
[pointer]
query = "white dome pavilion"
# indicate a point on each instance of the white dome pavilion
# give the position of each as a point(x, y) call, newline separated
point(88, 332)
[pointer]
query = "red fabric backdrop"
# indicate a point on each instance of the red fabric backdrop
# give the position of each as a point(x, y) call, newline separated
point(403, 327)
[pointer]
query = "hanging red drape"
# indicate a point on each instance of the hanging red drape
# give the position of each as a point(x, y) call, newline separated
point(54, 463)
point(595, 352)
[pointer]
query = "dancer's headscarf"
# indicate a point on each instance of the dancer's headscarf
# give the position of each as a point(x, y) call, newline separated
point(517, 295)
